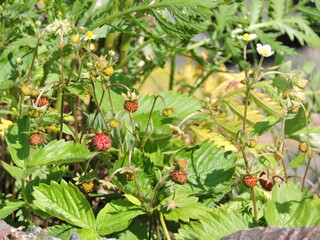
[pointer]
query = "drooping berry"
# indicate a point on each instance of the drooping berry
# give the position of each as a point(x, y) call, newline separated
point(252, 143)
point(101, 141)
point(129, 176)
point(167, 112)
point(265, 181)
point(131, 106)
point(35, 139)
point(179, 176)
point(250, 181)
point(43, 101)
point(303, 147)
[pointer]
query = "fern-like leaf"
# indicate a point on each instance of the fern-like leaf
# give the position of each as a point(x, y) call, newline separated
point(253, 116)
point(266, 103)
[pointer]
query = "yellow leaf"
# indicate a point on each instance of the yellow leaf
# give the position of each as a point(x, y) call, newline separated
point(203, 134)
point(133, 199)
point(253, 116)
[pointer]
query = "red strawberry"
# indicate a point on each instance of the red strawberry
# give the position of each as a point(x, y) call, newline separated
point(179, 176)
point(43, 101)
point(35, 139)
point(131, 106)
point(265, 181)
point(101, 141)
point(250, 181)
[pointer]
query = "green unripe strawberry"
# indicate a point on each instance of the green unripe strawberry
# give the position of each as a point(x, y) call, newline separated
point(252, 143)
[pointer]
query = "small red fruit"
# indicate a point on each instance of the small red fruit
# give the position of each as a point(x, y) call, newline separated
point(101, 141)
point(179, 176)
point(265, 181)
point(43, 101)
point(131, 106)
point(35, 139)
point(250, 181)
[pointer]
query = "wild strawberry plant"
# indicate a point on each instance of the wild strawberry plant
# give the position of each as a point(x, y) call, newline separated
point(84, 152)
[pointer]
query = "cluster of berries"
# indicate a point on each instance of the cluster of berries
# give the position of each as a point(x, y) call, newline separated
point(179, 174)
point(265, 180)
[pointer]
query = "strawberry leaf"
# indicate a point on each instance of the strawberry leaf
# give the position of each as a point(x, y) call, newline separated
point(210, 170)
point(116, 216)
point(290, 207)
point(65, 202)
point(61, 152)
point(215, 226)
point(18, 142)
point(186, 208)
point(10, 206)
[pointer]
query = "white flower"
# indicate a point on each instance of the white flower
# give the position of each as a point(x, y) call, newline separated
point(89, 36)
point(264, 50)
point(248, 37)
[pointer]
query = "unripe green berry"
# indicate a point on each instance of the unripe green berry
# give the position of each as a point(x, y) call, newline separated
point(114, 123)
point(252, 143)
point(303, 147)
point(167, 112)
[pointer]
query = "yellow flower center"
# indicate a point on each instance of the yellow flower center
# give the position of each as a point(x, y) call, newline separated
point(264, 51)
point(75, 39)
point(89, 34)
point(246, 36)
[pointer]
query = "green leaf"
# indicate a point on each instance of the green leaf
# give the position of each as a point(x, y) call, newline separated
point(18, 142)
point(278, 7)
point(88, 234)
point(16, 172)
point(6, 84)
point(300, 159)
point(78, 89)
point(61, 152)
point(65, 202)
point(10, 206)
point(214, 226)
point(255, 11)
point(267, 123)
point(290, 207)
point(295, 124)
point(264, 126)
point(210, 171)
point(135, 231)
point(61, 231)
point(317, 2)
point(186, 208)
point(116, 216)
